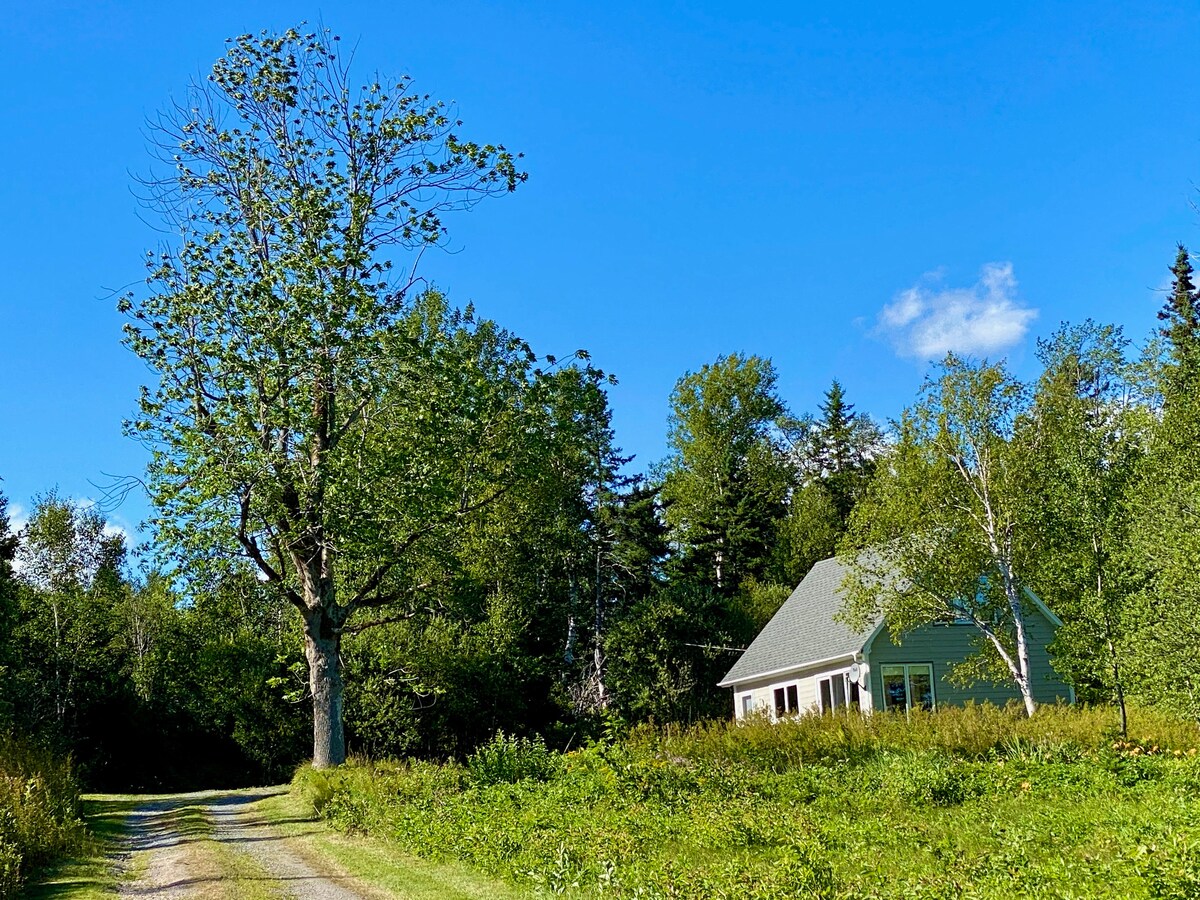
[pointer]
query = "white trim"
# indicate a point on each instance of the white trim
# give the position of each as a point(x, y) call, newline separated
point(866, 650)
point(908, 694)
point(783, 686)
point(867, 688)
point(800, 667)
point(1046, 611)
point(829, 675)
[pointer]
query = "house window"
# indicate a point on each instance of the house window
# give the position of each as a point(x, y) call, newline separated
point(747, 704)
point(787, 700)
point(908, 686)
point(837, 691)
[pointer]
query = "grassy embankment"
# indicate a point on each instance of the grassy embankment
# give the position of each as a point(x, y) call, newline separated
point(963, 803)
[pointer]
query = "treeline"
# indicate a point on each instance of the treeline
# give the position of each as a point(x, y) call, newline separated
point(584, 592)
point(579, 594)
point(464, 547)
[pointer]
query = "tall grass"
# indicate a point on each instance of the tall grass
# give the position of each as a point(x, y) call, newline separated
point(39, 811)
point(971, 802)
point(971, 732)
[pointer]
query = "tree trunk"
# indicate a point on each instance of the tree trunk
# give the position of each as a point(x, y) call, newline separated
point(1023, 676)
point(322, 645)
point(598, 637)
point(1120, 689)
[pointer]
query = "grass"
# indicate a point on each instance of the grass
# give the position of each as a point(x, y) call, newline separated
point(215, 870)
point(975, 803)
point(375, 863)
point(39, 811)
point(90, 873)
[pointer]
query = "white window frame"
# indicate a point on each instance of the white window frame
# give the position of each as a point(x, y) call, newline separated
point(747, 704)
point(844, 674)
point(783, 686)
point(908, 691)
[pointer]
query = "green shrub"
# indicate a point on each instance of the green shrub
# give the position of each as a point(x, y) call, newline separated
point(39, 811)
point(507, 760)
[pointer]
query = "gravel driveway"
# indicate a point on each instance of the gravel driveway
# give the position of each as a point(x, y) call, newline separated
point(213, 845)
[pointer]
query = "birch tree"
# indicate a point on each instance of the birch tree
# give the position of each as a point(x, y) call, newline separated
point(941, 535)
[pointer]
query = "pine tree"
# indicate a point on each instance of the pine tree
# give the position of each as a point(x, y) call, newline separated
point(1181, 315)
point(833, 457)
point(842, 452)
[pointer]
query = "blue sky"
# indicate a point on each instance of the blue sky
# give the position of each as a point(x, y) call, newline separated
point(846, 188)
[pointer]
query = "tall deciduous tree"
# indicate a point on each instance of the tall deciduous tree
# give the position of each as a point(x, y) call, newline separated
point(941, 536)
point(305, 414)
point(1085, 437)
point(725, 481)
point(1166, 531)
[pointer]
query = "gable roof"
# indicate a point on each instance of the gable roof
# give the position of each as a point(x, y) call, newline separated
point(804, 630)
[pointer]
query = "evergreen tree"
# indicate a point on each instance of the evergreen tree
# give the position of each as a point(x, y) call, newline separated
point(1181, 318)
point(1165, 541)
point(834, 457)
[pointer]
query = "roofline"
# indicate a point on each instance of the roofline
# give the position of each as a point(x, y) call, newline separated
point(1037, 601)
point(874, 634)
point(728, 682)
point(1046, 611)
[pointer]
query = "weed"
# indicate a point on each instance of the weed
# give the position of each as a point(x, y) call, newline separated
point(975, 802)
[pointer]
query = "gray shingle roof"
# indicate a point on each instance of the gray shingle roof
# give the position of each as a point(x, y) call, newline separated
point(803, 630)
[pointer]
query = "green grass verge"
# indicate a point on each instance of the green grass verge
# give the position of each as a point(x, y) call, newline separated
point(378, 865)
point(92, 874)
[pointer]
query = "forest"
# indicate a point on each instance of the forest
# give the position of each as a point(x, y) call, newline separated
point(386, 528)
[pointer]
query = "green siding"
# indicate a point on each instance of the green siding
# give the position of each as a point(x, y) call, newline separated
point(946, 645)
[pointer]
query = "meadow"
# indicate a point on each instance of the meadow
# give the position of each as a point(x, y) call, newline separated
point(965, 803)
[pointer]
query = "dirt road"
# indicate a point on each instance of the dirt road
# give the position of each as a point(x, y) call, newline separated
point(262, 845)
point(218, 845)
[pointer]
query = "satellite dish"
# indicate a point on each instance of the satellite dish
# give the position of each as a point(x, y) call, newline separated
point(855, 672)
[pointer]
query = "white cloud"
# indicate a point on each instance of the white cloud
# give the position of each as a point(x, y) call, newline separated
point(929, 320)
point(111, 530)
point(18, 517)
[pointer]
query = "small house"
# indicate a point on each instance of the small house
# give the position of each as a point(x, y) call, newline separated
point(805, 660)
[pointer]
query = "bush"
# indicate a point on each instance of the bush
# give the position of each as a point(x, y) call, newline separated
point(508, 760)
point(39, 811)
